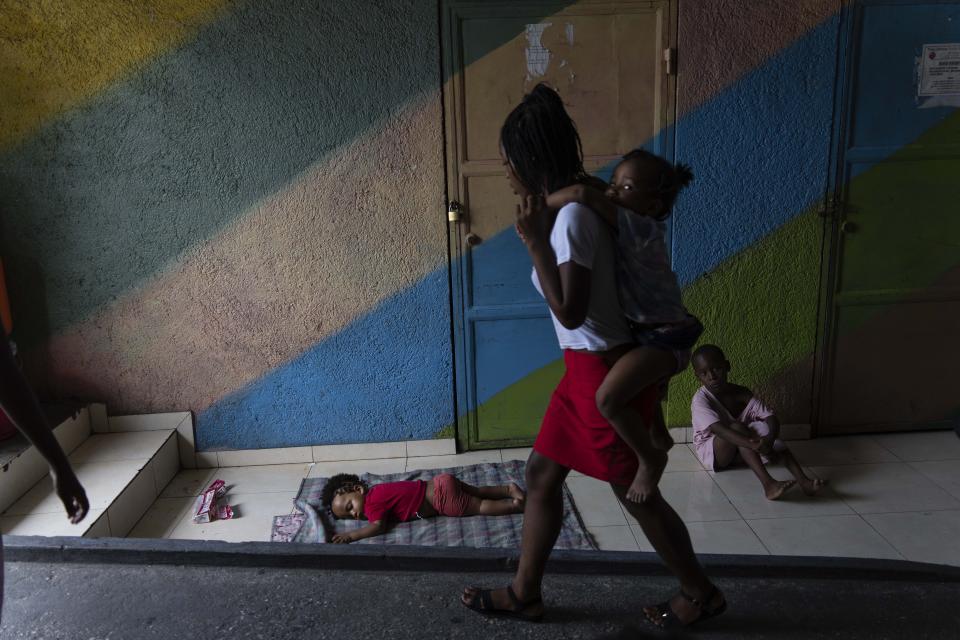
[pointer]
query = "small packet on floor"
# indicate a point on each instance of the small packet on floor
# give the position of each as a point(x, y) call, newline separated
point(207, 507)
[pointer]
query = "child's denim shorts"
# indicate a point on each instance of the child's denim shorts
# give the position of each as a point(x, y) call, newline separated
point(676, 337)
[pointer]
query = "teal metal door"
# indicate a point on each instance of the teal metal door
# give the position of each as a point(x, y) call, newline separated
point(607, 61)
point(893, 309)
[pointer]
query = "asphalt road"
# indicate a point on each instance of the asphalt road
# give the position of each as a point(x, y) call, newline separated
point(86, 601)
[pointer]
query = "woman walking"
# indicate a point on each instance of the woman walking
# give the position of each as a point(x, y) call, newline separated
point(573, 254)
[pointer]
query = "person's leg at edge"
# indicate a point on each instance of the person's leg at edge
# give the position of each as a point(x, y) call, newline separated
point(772, 488)
point(669, 537)
point(542, 518)
point(633, 372)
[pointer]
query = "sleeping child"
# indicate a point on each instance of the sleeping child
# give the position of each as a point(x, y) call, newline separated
point(730, 424)
point(347, 497)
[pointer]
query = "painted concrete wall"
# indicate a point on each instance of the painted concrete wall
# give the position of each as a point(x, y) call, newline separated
point(756, 100)
point(236, 208)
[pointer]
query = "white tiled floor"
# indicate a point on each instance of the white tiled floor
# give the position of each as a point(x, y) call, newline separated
point(890, 496)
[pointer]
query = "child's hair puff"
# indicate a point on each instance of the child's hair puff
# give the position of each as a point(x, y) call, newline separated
point(336, 484)
point(672, 178)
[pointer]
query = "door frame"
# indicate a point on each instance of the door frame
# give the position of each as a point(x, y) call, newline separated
point(831, 211)
point(465, 423)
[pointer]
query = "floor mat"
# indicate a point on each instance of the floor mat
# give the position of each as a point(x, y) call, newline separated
point(314, 525)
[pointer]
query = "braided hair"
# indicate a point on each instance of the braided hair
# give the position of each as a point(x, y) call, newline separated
point(335, 485)
point(671, 178)
point(541, 142)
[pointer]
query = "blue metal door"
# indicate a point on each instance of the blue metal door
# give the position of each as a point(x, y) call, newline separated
point(607, 61)
point(893, 309)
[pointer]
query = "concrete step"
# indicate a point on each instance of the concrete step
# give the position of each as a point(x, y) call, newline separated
point(122, 472)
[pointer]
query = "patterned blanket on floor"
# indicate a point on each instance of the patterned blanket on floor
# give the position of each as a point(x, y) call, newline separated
point(314, 524)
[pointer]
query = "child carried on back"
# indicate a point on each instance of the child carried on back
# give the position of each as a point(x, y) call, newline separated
point(636, 204)
point(731, 424)
point(346, 496)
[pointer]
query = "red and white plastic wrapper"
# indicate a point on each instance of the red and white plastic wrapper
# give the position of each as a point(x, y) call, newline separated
point(208, 508)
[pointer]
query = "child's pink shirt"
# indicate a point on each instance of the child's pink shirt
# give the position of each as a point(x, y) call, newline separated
point(706, 410)
point(394, 501)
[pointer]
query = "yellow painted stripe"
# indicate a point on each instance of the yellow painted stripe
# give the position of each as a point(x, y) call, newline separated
point(55, 54)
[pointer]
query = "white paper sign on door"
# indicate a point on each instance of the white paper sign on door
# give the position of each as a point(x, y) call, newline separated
point(937, 76)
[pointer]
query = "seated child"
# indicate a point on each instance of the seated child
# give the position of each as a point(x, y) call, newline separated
point(347, 497)
point(731, 424)
point(636, 205)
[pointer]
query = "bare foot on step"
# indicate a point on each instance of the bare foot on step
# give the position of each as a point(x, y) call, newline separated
point(775, 489)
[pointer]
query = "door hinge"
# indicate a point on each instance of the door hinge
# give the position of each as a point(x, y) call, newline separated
point(670, 60)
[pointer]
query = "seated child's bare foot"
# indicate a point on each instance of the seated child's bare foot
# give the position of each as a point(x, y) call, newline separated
point(517, 496)
point(775, 489)
point(660, 438)
point(645, 483)
point(811, 487)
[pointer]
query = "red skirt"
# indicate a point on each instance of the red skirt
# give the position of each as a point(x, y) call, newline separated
point(575, 434)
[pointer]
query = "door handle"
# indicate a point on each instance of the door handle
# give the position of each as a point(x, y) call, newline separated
point(473, 239)
point(847, 227)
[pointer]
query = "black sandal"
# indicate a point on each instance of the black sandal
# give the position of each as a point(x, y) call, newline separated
point(483, 603)
point(667, 619)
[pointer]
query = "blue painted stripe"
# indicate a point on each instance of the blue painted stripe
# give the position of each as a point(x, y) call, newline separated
point(759, 152)
point(384, 377)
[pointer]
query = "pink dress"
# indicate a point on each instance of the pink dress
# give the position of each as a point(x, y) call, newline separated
point(707, 410)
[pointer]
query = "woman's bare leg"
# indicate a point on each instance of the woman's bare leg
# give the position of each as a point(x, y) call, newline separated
point(542, 518)
point(669, 537)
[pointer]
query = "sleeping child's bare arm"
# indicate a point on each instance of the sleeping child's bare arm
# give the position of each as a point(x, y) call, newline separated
point(376, 528)
point(588, 196)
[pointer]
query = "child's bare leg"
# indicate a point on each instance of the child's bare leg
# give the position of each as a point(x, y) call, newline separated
point(772, 487)
point(810, 486)
point(636, 370)
point(493, 506)
point(511, 492)
point(651, 461)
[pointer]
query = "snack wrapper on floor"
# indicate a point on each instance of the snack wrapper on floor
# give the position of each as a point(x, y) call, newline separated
point(208, 508)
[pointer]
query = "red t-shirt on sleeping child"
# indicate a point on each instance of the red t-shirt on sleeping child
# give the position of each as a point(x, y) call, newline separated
point(397, 501)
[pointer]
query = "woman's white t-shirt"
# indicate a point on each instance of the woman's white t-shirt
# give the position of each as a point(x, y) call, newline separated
point(579, 235)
